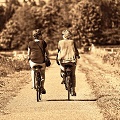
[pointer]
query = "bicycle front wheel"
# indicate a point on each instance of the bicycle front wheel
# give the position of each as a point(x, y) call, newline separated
point(39, 95)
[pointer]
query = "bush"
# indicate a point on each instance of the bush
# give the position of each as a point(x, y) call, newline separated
point(113, 59)
point(108, 58)
point(9, 66)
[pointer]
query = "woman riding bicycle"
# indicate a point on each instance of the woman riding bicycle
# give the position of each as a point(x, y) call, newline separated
point(36, 56)
point(68, 53)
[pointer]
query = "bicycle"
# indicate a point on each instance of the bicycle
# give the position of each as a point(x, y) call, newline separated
point(67, 78)
point(37, 81)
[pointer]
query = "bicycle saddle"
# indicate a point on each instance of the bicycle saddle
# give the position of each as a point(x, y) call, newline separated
point(68, 66)
point(37, 67)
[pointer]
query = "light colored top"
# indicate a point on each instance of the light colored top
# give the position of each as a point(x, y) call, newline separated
point(67, 51)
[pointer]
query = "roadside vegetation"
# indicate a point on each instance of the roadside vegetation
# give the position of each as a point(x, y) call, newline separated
point(111, 58)
point(15, 61)
point(9, 65)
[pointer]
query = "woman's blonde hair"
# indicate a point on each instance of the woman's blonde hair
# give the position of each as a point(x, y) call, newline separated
point(67, 34)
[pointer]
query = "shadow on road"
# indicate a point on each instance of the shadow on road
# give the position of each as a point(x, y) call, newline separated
point(72, 100)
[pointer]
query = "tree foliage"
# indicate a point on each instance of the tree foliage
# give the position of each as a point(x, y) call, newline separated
point(2, 17)
point(11, 7)
point(18, 30)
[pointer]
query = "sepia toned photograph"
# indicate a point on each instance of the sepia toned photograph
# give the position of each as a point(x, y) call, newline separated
point(59, 59)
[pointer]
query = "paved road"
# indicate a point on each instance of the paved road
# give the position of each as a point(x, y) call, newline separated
point(54, 105)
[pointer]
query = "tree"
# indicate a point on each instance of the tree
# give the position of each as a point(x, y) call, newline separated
point(110, 21)
point(52, 23)
point(26, 23)
point(11, 7)
point(18, 30)
point(2, 17)
point(86, 19)
point(8, 34)
point(87, 22)
point(56, 18)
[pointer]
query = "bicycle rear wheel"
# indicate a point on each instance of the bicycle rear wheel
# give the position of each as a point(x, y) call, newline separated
point(39, 92)
point(68, 86)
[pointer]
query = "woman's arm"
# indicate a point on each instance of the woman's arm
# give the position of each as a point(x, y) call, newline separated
point(47, 52)
point(29, 53)
point(76, 51)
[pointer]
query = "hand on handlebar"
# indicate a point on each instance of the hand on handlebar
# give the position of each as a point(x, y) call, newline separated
point(78, 57)
point(28, 59)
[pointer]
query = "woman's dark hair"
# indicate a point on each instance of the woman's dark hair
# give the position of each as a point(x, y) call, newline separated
point(37, 33)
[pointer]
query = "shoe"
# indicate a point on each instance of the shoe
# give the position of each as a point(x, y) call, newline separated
point(33, 87)
point(73, 93)
point(63, 82)
point(43, 91)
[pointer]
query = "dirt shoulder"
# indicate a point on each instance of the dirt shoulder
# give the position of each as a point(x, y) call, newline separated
point(104, 80)
point(11, 85)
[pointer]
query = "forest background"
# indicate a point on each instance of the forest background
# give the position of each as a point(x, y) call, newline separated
point(90, 21)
